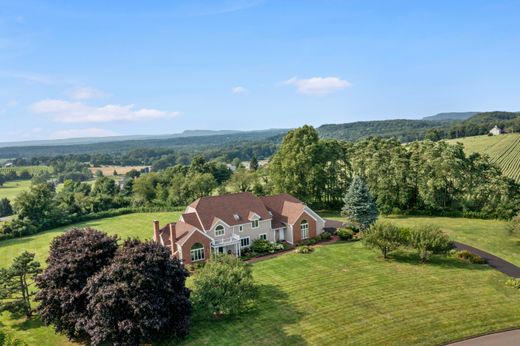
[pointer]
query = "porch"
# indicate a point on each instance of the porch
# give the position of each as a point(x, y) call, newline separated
point(229, 245)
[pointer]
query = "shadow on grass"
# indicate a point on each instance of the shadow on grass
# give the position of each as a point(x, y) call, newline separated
point(28, 323)
point(442, 261)
point(262, 324)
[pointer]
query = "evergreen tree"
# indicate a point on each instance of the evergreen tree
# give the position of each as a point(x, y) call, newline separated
point(359, 206)
point(5, 207)
point(15, 295)
point(253, 164)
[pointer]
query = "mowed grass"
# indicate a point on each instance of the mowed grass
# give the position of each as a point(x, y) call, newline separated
point(11, 189)
point(340, 294)
point(487, 235)
point(345, 294)
point(504, 150)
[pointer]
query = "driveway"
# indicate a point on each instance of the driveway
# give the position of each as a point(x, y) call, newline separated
point(509, 338)
point(498, 263)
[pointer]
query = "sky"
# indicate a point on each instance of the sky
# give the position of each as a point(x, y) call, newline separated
point(102, 68)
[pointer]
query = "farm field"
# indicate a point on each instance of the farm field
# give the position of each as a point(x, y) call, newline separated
point(30, 169)
point(11, 189)
point(109, 170)
point(340, 294)
point(504, 150)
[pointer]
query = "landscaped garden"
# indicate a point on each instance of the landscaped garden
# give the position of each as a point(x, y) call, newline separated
point(339, 293)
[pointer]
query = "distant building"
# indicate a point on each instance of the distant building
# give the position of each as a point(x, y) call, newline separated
point(9, 164)
point(495, 131)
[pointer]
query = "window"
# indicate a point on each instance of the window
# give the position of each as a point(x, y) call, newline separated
point(240, 228)
point(254, 224)
point(219, 231)
point(197, 252)
point(263, 236)
point(244, 242)
point(304, 227)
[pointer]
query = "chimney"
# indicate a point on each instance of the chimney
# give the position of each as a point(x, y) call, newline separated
point(156, 230)
point(173, 238)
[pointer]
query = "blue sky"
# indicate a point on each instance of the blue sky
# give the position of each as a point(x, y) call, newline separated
point(71, 69)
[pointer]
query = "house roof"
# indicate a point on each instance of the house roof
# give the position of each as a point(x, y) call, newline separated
point(284, 207)
point(233, 209)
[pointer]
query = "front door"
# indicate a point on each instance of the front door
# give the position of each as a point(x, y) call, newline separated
point(281, 234)
point(221, 249)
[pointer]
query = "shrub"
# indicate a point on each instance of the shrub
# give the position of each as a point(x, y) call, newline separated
point(140, 297)
point(429, 240)
point(345, 234)
point(261, 246)
point(74, 257)
point(325, 236)
point(224, 286)
point(304, 249)
point(470, 257)
point(384, 236)
point(512, 282)
point(513, 227)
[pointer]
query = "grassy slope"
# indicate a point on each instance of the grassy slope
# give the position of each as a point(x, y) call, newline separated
point(503, 149)
point(11, 189)
point(340, 294)
point(345, 294)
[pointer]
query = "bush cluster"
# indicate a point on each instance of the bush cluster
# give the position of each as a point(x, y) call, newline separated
point(315, 240)
point(469, 257)
point(304, 249)
point(345, 234)
point(513, 282)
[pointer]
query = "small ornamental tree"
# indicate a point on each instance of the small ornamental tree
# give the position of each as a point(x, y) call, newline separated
point(359, 206)
point(15, 281)
point(73, 257)
point(5, 207)
point(429, 240)
point(224, 286)
point(140, 297)
point(384, 236)
point(253, 164)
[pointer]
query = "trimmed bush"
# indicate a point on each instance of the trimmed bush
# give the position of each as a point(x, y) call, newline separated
point(470, 257)
point(304, 249)
point(515, 283)
point(345, 234)
point(261, 246)
point(325, 236)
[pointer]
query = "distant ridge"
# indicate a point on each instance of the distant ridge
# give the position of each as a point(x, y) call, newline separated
point(451, 116)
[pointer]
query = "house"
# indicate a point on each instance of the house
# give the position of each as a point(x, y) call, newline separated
point(230, 223)
point(495, 131)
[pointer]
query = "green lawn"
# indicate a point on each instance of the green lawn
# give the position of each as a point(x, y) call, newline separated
point(340, 294)
point(11, 189)
point(487, 235)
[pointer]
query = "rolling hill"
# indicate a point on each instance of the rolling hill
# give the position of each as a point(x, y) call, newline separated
point(504, 150)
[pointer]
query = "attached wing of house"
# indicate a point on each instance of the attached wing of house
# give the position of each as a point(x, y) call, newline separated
point(229, 223)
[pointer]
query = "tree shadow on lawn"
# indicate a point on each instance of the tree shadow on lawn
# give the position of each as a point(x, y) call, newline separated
point(262, 324)
point(443, 261)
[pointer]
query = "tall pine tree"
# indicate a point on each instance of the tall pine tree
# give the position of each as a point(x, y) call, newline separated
point(359, 206)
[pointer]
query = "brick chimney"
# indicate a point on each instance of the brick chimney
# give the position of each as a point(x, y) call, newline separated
point(173, 238)
point(156, 230)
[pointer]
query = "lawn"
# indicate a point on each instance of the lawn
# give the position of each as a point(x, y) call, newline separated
point(11, 189)
point(340, 294)
point(487, 235)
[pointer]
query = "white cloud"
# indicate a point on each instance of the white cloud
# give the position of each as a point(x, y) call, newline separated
point(239, 90)
point(80, 133)
point(85, 93)
point(317, 85)
point(79, 112)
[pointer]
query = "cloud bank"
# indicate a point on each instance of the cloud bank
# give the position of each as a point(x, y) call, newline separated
point(317, 85)
point(79, 112)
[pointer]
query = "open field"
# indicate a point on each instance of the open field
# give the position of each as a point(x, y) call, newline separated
point(30, 169)
point(504, 150)
point(340, 294)
point(11, 189)
point(109, 170)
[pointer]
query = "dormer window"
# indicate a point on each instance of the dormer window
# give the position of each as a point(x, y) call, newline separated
point(270, 212)
point(236, 216)
point(254, 224)
point(219, 231)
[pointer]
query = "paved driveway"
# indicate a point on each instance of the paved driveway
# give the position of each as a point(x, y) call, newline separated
point(499, 264)
point(509, 338)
